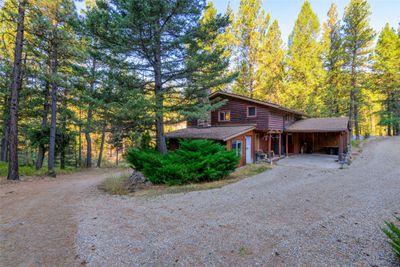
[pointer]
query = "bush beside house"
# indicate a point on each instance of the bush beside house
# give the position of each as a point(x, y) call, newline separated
point(195, 161)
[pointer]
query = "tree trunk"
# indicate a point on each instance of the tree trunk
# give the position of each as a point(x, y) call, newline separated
point(15, 87)
point(117, 158)
point(103, 134)
point(89, 119)
point(62, 148)
point(4, 140)
point(42, 149)
point(53, 122)
point(356, 118)
point(88, 138)
point(80, 138)
point(352, 94)
point(160, 137)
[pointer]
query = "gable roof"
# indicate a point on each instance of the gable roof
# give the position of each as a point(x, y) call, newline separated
point(337, 124)
point(264, 103)
point(222, 133)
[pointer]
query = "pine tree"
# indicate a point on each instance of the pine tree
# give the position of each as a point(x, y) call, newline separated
point(157, 37)
point(250, 28)
point(15, 87)
point(55, 24)
point(305, 71)
point(333, 56)
point(387, 78)
point(270, 73)
point(358, 37)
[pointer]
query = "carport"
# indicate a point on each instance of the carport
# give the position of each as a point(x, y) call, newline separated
point(318, 135)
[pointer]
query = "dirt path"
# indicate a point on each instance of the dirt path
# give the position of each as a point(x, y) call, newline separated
point(38, 226)
point(289, 216)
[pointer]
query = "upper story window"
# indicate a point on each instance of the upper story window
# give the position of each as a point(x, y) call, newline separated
point(251, 111)
point(224, 115)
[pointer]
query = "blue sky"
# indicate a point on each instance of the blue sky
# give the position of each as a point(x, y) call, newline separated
point(286, 11)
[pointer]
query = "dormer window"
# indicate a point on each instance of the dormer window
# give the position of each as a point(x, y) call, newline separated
point(224, 115)
point(251, 111)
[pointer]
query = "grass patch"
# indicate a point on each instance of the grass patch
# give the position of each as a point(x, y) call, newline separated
point(119, 185)
point(116, 185)
point(243, 251)
point(25, 170)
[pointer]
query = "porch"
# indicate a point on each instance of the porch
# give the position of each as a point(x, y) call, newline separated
point(274, 145)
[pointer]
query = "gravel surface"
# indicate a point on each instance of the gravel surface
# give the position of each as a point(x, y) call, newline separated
point(288, 216)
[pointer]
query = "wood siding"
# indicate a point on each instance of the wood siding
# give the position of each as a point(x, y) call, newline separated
point(267, 118)
point(242, 138)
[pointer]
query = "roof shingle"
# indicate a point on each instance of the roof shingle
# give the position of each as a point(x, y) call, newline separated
point(215, 133)
point(319, 125)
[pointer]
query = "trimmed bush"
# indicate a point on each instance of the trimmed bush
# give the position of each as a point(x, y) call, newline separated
point(195, 161)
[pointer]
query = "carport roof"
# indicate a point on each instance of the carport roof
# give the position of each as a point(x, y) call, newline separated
point(337, 124)
point(222, 133)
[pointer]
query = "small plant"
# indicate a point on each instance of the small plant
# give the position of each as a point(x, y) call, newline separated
point(116, 185)
point(392, 231)
point(243, 251)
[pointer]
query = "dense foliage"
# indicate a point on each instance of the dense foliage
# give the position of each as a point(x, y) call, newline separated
point(194, 161)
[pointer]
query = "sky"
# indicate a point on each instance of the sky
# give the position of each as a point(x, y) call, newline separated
point(286, 11)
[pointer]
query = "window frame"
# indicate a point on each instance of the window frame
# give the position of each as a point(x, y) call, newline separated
point(225, 112)
point(234, 146)
point(255, 111)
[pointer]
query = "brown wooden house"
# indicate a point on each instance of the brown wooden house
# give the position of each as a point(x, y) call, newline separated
point(257, 129)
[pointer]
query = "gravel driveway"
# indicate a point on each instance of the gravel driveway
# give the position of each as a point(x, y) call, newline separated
point(288, 216)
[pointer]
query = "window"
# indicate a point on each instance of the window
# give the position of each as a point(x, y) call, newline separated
point(224, 116)
point(237, 146)
point(251, 111)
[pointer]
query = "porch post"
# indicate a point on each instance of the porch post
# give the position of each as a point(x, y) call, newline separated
point(280, 144)
point(287, 145)
point(269, 145)
point(340, 146)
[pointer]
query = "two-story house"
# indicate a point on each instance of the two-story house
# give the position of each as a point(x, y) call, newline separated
point(255, 128)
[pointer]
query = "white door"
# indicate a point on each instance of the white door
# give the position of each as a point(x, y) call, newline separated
point(248, 150)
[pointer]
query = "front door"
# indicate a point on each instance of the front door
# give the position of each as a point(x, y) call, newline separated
point(248, 150)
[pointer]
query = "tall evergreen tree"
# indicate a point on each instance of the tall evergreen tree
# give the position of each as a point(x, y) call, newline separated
point(56, 22)
point(15, 87)
point(155, 36)
point(250, 28)
point(270, 73)
point(387, 78)
point(333, 56)
point(358, 37)
point(304, 64)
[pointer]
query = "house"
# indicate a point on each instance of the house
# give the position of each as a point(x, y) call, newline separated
point(257, 129)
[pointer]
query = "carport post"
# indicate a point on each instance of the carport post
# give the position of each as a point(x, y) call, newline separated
point(287, 145)
point(340, 146)
point(280, 144)
point(269, 145)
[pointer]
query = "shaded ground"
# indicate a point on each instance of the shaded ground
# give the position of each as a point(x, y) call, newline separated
point(37, 222)
point(313, 161)
point(289, 216)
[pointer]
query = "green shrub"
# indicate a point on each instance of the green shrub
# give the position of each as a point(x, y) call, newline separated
point(194, 161)
point(392, 231)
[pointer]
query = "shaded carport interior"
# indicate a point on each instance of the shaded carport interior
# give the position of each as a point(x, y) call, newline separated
point(318, 135)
